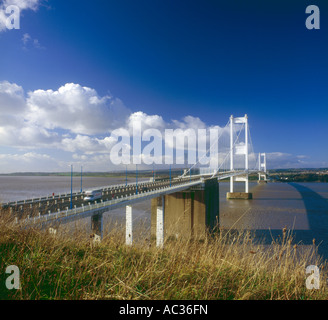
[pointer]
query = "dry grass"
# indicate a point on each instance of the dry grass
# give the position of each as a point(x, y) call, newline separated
point(225, 265)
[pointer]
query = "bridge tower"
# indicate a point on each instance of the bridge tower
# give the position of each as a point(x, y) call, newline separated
point(262, 167)
point(240, 149)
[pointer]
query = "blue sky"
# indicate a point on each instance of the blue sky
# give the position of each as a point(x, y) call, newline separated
point(168, 60)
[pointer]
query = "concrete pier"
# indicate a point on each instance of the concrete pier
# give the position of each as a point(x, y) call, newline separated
point(240, 195)
point(97, 226)
point(128, 226)
point(187, 213)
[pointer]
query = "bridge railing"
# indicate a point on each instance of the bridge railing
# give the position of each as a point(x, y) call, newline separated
point(123, 200)
point(68, 194)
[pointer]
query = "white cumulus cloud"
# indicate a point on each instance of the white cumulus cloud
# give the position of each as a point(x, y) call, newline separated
point(75, 108)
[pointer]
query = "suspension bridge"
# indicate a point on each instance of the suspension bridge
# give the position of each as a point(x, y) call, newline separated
point(191, 198)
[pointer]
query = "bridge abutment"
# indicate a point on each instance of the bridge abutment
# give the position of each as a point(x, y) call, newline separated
point(186, 214)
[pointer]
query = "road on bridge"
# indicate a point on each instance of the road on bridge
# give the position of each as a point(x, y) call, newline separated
point(55, 203)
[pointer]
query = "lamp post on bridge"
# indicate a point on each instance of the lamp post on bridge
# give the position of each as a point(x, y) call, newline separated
point(81, 179)
point(71, 203)
point(170, 176)
point(136, 179)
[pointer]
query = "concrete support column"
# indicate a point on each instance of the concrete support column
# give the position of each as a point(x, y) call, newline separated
point(187, 213)
point(160, 225)
point(97, 226)
point(128, 226)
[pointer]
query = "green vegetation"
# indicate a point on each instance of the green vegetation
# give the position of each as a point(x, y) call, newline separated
point(299, 175)
point(225, 265)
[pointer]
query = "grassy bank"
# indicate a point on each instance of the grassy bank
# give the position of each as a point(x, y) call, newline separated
point(227, 265)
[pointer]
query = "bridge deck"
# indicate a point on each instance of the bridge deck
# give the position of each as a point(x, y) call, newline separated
point(57, 207)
